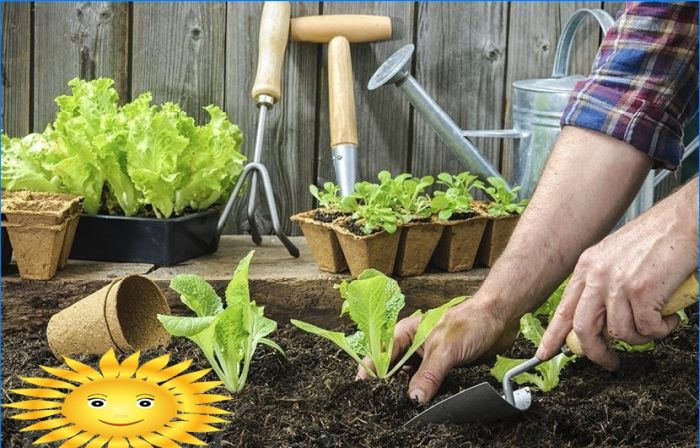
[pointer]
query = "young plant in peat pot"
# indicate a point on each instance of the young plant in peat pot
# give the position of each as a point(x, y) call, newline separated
point(316, 226)
point(504, 211)
point(419, 234)
point(369, 237)
point(463, 219)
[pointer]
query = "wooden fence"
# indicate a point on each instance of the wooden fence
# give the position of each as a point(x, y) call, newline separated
point(467, 55)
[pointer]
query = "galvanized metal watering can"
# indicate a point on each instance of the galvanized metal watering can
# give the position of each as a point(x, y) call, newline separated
point(537, 108)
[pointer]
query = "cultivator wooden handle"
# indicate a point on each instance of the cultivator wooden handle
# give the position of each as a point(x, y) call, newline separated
point(355, 28)
point(272, 43)
point(343, 121)
point(685, 295)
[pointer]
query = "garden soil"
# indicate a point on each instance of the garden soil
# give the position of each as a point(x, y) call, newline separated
point(311, 399)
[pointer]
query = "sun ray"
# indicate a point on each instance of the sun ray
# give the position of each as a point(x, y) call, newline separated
point(152, 367)
point(118, 442)
point(170, 372)
point(66, 374)
point(109, 366)
point(160, 441)
point(191, 408)
point(59, 434)
point(48, 382)
point(36, 415)
point(137, 442)
point(33, 405)
point(128, 367)
point(77, 441)
point(208, 398)
point(45, 425)
point(181, 435)
point(39, 393)
point(98, 442)
point(82, 368)
point(186, 379)
point(200, 418)
point(195, 388)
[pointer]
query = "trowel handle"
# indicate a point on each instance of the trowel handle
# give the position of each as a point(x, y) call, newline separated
point(272, 43)
point(685, 295)
point(343, 121)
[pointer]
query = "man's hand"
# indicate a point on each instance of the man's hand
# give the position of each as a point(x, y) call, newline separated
point(620, 285)
point(466, 332)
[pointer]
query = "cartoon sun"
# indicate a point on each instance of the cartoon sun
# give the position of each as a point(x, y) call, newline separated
point(121, 405)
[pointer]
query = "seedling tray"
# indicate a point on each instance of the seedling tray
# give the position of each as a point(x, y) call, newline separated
point(163, 242)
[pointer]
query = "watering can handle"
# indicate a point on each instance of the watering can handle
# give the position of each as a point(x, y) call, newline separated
point(566, 40)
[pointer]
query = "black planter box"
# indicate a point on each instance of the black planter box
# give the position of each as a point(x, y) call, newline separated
point(163, 242)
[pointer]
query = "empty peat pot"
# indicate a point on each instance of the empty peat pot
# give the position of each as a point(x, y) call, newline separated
point(459, 243)
point(323, 242)
point(121, 316)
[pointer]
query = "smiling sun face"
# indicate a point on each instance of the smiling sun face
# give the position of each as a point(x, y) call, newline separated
point(121, 405)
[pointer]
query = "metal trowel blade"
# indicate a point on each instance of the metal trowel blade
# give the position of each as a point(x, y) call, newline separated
point(478, 404)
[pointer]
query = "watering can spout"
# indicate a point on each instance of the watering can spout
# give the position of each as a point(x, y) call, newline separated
point(393, 71)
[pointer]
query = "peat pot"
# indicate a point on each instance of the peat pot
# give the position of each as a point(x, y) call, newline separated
point(323, 242)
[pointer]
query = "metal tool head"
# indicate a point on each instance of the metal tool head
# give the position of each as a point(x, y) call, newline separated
point(345, 165)
point(393, 69)
point(478, 404)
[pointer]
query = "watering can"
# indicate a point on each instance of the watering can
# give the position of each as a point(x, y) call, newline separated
point(537, 108)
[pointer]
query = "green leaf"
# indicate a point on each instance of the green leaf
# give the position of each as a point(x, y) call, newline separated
point(197, 294)
point(336, 337)
point(238, 286)
point(545, 377)
point(625, 347)
point(185, 326)
point(531, 328)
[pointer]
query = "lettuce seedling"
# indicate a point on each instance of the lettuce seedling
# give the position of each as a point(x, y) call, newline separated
point(408, 196)
point(457, 198)
point(227, 336)
point(503, 199)
point(373, 302)
point(328, 198)
point(371, 206)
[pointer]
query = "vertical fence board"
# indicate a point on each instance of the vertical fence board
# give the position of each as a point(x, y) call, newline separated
point(178, 53)
point(85, 40)
point(16, 67)
point(532, 40)
point(460, 61)
point(288, 151)
point(383, 123)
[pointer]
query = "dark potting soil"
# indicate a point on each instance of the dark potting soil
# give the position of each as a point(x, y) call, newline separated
point(461, 216)
point(310, 399)
point(355, 227)
point(322, 215)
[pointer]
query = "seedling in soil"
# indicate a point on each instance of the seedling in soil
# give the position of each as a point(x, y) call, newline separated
point(328, 201)
point(373, 302)
point(227, 337)
point(503, 199)
point(409, 198)
point(371, 208)
point(457, 201)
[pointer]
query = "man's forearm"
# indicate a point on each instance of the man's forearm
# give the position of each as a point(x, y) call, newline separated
point(588, 183)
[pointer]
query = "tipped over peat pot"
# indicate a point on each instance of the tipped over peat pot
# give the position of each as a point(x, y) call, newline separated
point(496, 235)
point(377, 251)
point(163, 242)
point(459, 243)
point(416, 246)
point(323, 242)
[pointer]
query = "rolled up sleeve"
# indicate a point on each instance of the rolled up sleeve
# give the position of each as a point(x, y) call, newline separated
point(644, 84)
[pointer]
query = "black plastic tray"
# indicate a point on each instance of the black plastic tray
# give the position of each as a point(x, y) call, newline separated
point(163, 242)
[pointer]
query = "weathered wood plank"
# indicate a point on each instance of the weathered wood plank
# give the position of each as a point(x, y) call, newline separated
point(178, 54)
point(289, 288)
point(290, 129)
point(383, 118)
point(16, 68)
point(614, 8)
point(533, 35)
point(85, 40)
point(460, 61)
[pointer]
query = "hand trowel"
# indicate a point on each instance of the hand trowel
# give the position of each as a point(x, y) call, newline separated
point(483, 403)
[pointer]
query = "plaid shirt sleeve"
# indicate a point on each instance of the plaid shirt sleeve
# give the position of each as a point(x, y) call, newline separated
point(644, 83)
